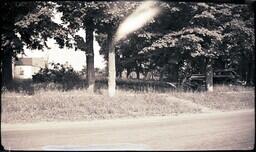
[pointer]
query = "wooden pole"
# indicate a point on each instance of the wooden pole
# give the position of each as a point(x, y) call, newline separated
point(111, 67)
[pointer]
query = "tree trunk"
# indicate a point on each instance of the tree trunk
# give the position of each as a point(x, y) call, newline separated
point(253, 70)
point(249, 72)
point(250, 76)
point(111, 67)
point(176, 70)
point(138, 73)
point(90, 59)
point(120, 74)
point(209, 75)
point(243, 67)
point(7, 75)
point(128, 73)
point(161, 76)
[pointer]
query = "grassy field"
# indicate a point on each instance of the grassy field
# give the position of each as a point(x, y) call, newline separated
point(221, 101)
point(77, 104)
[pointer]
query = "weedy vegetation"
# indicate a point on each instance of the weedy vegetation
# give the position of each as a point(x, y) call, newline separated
point(26, 101)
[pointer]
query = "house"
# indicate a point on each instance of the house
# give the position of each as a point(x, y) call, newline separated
point(24, 68)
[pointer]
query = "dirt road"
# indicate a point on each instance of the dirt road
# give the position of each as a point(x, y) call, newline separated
point(216, 130)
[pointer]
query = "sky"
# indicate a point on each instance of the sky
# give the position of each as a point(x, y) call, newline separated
point(76, 59)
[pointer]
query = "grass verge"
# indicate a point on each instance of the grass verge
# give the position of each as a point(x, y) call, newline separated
point(54, 105)
point(223, 98)
point(78, 105)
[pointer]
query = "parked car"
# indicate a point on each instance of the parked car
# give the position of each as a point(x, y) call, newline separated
point(195, 82)
point(226, 76)
point(220, 76)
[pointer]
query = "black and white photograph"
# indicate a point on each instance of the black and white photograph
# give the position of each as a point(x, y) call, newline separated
point(127, 75)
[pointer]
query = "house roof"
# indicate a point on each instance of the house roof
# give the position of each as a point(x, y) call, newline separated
point(24, 61)
point(31, 61)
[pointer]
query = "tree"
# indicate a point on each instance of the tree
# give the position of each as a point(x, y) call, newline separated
point(130, 50)
point(239, 42)
point(184, 36)
point(111, 23)
point(201, 36)
point(81, 15)
point(190, 35)
point(165, 59)
point(99, 17)
point(123, 31)
point(25, 24)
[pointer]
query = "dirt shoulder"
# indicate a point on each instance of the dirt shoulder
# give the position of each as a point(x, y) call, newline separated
point(115, 121)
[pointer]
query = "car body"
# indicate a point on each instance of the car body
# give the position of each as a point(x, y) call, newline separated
point(225, 76)
point(220, 76)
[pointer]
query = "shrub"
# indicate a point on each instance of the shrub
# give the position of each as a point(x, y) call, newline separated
point(58, 74)
point(137, 85)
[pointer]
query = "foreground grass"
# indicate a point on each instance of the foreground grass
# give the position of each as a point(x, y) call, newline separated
point(54, 105)
point(223, 98)
point(78, 105)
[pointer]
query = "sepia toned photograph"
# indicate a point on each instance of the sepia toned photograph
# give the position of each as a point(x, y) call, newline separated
point(146, 75)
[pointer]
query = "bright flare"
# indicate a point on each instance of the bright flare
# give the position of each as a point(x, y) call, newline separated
point(143, 14)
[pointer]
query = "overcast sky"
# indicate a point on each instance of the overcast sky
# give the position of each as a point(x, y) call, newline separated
point(76, 59)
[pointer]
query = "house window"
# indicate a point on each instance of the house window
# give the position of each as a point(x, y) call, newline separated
point(21, 71)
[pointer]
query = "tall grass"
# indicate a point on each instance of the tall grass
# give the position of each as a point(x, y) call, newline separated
point(223, 98)
point(50, 102)
point(137, 85)
point(232, 88)
point(29, 87)
point(80, 105)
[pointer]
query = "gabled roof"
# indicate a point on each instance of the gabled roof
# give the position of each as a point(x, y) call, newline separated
point(24, 61)
point(31, 61)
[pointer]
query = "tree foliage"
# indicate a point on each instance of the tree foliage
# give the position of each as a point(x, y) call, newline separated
point(27, 24)
point(182, 38)
point(213, 31)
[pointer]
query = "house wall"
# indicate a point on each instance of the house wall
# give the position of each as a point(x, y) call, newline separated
point(24, 68)
point(39, 62)
point(23, 72)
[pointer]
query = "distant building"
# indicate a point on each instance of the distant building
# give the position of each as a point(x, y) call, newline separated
point(24, 68)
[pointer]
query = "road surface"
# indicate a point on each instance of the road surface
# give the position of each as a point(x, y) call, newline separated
point(207, 131)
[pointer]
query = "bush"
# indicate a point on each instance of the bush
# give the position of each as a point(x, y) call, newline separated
point(138, 85)
point(58, 74)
